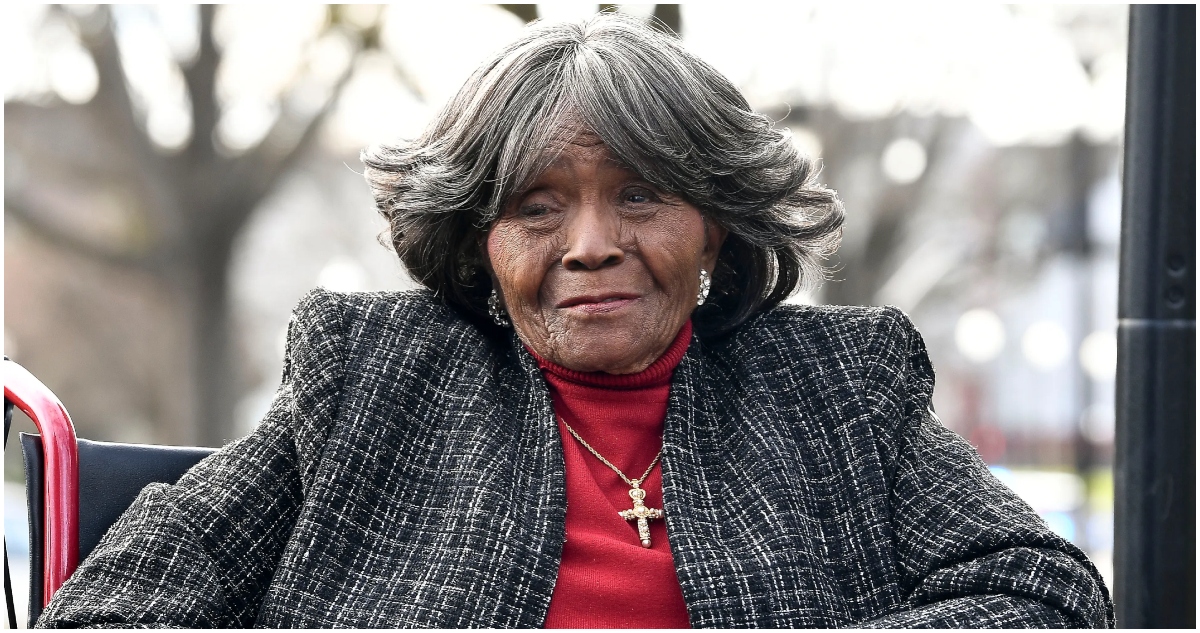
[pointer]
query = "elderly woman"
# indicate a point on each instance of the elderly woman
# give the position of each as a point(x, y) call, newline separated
point(598, 414)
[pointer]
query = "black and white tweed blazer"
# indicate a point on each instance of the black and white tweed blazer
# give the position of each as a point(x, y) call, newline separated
point(410, 474)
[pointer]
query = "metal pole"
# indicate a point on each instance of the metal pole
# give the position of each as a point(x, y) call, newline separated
point(1155, 470)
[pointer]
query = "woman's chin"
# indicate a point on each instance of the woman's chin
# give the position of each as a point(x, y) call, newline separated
point(609, 349)
point(618, 336)
point(609, 365)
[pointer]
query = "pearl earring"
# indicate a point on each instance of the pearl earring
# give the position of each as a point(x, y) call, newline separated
point(497, 312)
point(705, 286)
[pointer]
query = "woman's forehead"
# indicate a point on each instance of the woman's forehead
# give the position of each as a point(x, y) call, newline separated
point(589, 154)
point(570, 128)
point(585, 137)
point(567, 142)
point(579, 143)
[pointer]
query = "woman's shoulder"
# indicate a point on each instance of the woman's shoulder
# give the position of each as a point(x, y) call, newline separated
point(356, 332)
point(877, 348)
point(322, 303)
point(836, 328)
point(409, 313)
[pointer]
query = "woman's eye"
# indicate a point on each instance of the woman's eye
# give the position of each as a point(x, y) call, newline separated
point(639, 196)
point(534, 211)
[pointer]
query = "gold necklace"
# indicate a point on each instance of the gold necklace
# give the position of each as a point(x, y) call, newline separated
point(640, 511)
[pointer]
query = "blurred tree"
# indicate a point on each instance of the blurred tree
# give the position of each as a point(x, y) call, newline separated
point(178, 212)
point(143, 234)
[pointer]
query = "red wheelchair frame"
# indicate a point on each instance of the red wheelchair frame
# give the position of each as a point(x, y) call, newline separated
point(53, 422)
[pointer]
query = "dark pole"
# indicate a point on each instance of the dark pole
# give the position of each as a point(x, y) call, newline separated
point(1155, 470)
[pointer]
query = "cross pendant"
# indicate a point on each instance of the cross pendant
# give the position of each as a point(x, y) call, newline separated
point(641, 514)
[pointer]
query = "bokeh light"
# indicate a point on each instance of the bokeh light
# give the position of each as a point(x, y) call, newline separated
point(73, 74)
point(1045, 345)
point(979, 335)
point(1098, 355)
point(904, 161)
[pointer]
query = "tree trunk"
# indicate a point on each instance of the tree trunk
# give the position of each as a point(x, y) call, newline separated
point(214, 366)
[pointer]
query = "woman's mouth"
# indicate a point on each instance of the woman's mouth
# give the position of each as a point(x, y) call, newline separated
point(597, 304)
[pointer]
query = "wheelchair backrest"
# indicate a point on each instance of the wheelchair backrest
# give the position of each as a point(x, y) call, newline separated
point(110, 477)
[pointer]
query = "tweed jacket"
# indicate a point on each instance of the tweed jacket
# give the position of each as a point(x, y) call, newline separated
point(410, 474)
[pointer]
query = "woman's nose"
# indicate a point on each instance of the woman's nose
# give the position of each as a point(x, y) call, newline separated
point(592, 238)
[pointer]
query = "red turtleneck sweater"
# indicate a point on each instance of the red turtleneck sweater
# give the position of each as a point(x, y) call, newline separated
point(606, 578)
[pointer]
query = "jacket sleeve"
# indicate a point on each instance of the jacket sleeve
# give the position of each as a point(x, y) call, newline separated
point(201, 553)
point(970, 552)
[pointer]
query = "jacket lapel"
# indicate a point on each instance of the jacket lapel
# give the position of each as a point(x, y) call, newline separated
point(747, 548)
point(520, 499)
point(541, 478)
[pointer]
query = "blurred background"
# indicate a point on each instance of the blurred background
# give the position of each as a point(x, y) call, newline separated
point(177, 177)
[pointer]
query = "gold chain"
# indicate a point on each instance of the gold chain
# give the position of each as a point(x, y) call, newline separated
point(633, 483)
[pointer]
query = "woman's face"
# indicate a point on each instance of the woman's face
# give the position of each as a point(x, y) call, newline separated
point(597, 269)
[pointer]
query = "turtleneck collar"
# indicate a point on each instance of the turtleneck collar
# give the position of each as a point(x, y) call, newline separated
point(658, 373)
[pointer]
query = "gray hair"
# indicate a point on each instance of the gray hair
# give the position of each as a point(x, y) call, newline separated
point(663, 112)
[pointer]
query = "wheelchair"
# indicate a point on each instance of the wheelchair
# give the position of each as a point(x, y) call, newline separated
point(75, 488)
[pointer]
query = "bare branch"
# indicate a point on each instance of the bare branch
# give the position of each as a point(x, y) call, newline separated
point(65, 155)
point(113, 112)
point(527, 12)
point(667, 15)
point(407, 79)
point(113, 105)
point(201, 79)
point(276, 164)
point(15, 207)
point(246, 179)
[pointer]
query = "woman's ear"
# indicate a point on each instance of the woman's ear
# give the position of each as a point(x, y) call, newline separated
point(485, 261)
point(714, 239)
point(481, 250)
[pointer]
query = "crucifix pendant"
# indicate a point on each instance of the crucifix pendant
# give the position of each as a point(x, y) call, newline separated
point(641, 514)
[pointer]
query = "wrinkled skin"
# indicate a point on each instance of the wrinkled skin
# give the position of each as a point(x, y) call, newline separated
point(598, 269)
